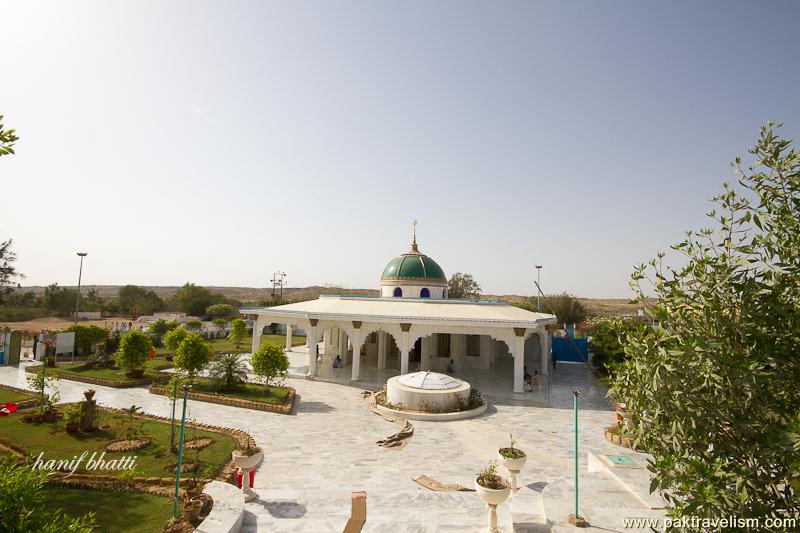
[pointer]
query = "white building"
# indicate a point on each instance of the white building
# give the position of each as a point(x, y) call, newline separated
point(413, 326)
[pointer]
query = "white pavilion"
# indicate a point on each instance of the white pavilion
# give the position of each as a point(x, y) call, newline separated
point(413, 326)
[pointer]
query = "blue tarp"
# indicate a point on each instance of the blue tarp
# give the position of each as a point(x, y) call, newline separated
point(564, 350)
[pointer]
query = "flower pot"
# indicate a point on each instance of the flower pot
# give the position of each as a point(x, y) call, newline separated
point(511, 464)
point(192, 509)
point(492, 496)
point(246, 462)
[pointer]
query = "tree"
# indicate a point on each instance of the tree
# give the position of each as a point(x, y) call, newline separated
point(174, 338)
point(194, 300)
point(192, 354)
point(22, 504)
point(713, 393)
point(60, 300)
point(7, 270)
point(607, 337)
point(227, 371)
point(133, 349)
point(159, 327)
point(269, 364)
point(221, 311)
point(567, 308)
point(238, 332)
point(7, 139)
point(463, 286)
point(87, 337)
point(138, 301)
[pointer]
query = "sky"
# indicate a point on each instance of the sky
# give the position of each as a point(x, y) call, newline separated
point(219, 142)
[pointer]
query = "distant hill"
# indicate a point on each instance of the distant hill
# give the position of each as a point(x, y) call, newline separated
point(596, 306)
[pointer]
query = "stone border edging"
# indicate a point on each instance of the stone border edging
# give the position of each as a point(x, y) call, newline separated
point(62, 374)
point(24, 404)
point(435, 417)
point(285, 408)
point(227, 514)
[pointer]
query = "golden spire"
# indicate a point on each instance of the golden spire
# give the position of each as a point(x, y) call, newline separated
point(414, 240)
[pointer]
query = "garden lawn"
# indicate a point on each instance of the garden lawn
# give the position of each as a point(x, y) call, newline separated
point(246, 391)
point(154, 460)
point(13, 396)
point(220, 345)
point(131, 512)
point(115, 374)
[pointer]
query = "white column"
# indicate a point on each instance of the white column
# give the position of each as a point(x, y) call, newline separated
point(404, 349)
point(258, 325)
point(425, 354)
point(458, 350)
point(288, 337)
point(342, 348)
point(519, 360)
point(356, 374)
point(381, 350)
point(312, 348)
point(545, 347)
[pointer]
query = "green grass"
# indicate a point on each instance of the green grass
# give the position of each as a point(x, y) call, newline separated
point(247, 391)
point(152, 460)
point(131, 512)
point(114, 374)
point(224, 344)
point(13, 396)
point(22, 314)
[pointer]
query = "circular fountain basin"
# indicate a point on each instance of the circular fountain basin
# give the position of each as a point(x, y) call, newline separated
point(427, 392)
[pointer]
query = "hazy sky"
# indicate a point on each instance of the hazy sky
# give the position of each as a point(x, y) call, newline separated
point(217, 142)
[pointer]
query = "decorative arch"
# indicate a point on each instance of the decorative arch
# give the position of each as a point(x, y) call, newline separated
point(398, 292)
point(425, 293)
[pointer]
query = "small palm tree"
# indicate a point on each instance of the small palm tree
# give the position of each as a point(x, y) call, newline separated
point(227, 371)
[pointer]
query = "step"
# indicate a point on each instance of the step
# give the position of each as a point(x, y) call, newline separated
point(632, 474)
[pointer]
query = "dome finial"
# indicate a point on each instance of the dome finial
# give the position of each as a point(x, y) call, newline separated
point(414, 241)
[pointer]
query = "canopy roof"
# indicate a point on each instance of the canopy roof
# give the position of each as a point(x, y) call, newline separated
point(465, 312)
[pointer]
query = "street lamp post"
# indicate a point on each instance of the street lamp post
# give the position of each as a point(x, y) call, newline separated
point(538, 289)
point(78, 296)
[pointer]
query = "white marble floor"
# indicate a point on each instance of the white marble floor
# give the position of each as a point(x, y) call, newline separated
point(315, 457)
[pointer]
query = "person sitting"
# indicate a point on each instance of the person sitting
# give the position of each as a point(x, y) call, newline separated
point(526, 378)
point(337, 363)
point(535, 379)
point(451, 366)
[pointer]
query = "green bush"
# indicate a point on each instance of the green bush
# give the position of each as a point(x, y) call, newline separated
point(607, 337)
point(192, 354)
point(270, 363)
point(133, 349)
point(174, 338)
point(238, 331)
point(87, 337)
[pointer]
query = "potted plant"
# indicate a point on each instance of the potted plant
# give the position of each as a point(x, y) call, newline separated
point(247, 458)
point(492, 488)
point(192, 508)
point(513, 459)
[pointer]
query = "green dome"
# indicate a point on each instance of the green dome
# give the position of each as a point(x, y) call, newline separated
point(413, 266)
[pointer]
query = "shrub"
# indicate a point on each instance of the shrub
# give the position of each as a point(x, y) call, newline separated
point(238, 331)
point(269, 364)
point(227, 371)
point(133, 349)
point(192, 354)
point(87, 337)
point(607, 337)
point(221, 311)
point(174, 338)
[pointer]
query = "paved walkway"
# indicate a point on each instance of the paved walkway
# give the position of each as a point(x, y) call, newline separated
point(315, 457)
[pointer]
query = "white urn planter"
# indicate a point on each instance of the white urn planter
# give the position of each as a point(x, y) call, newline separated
point(512, 465)
point(246, 463)
point(492, 498)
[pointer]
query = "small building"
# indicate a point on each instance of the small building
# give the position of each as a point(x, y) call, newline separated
point(414, 326)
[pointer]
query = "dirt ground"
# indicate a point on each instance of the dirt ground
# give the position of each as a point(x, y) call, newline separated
point(58, 323)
